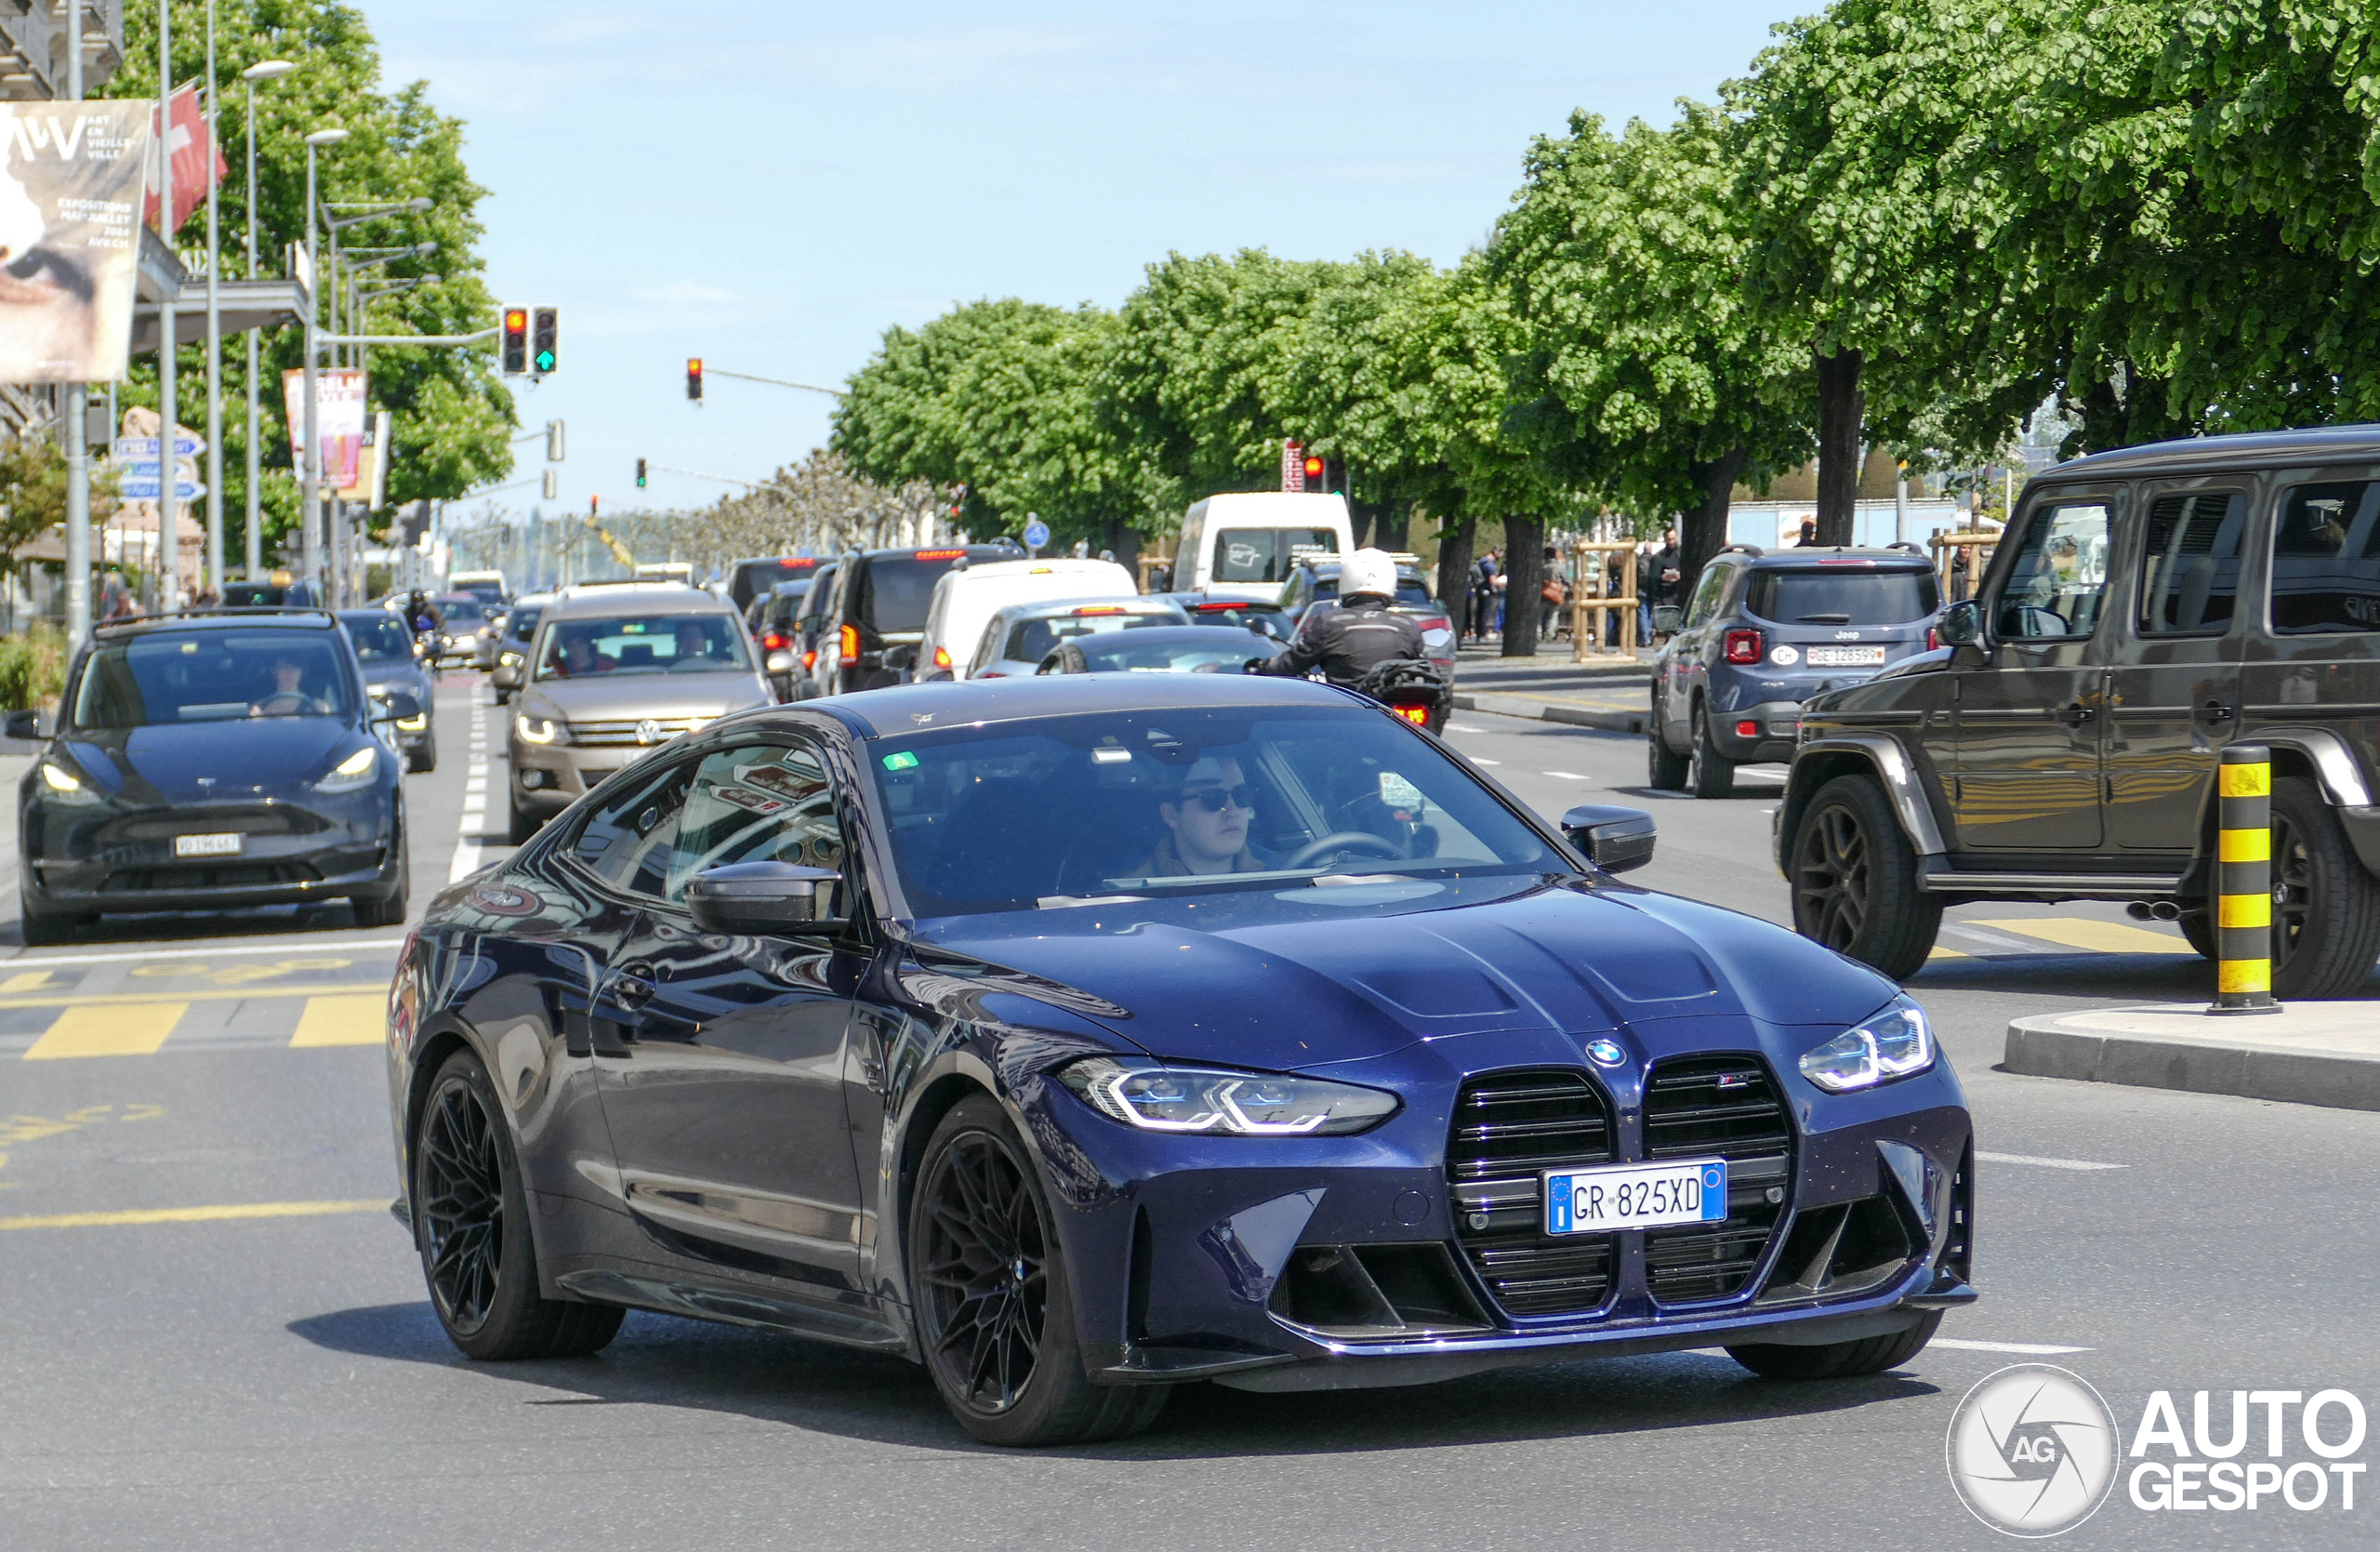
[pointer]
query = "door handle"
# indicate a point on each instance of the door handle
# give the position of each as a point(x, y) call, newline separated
point(2075, 715)
point(2214, 710)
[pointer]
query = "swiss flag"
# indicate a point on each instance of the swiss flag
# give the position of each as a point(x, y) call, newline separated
point(195, 170)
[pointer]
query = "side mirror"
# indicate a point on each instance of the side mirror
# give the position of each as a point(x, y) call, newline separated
point(1613, 839)
point(504, 676)
point(779, 661)
point(900, 659)
point(396, 706)
point(26, 725)
point(1961, 624)
point(1667, 618)
point(764, 899)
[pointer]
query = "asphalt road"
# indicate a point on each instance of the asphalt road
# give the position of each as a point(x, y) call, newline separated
point(177, 1371)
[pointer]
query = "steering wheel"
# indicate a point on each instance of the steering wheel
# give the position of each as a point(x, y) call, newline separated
point(1343, 840)
point(282, 703)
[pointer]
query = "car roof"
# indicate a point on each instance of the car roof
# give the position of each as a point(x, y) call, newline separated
point(2353, 443)
point(1052, 607)
point(650, 598)
point(939, 551)
point(1809, 554)
point(946, 703)
point(217, 620)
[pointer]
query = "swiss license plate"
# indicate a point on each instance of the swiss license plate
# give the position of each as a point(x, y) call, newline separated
point(1845, 657)
point(1635, 1196)
point(207, 845)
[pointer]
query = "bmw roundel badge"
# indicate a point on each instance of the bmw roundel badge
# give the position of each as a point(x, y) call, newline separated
point(1606, 1053)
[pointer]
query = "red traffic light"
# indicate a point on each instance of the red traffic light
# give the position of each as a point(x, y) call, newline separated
point(694, 378)
point(1314, 469)
point(516, 340)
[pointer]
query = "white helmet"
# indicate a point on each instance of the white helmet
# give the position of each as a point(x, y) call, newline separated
point(1368, 571)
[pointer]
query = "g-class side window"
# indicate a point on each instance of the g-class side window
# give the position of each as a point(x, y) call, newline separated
point(2189, 563)
point(2326, 559)
point(2054, 588)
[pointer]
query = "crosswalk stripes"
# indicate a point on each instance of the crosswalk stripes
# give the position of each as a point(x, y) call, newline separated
point(354, 1019)
point(2082, 934)
point(134, 1029)
point(347, 1015)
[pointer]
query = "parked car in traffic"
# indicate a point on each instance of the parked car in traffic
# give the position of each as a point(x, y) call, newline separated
point(1763, 633)
point(1076, 1039)
point(614, 672)
point(2145, 610)
point(1264, 614)
point(465, 623)
point(1247, 542)
point(809, 625)
point(877, 614)
point(968, 594)
point(209, 761)
point(391, 661)
point(1020, 636)
point(777, 637)
point(488, 587)
point(751, 580)
point(1163, 649)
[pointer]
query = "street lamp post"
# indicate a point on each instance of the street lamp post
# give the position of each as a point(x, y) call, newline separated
point(214, 324)
point(169, 507)
point(266, 70)
point(78, 454)
point(310, 464)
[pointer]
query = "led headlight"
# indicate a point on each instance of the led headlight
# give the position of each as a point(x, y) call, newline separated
point(352, 772)
point(65, 787)
point(541, 730)
point(1157, 1098)
point(1898, 1042)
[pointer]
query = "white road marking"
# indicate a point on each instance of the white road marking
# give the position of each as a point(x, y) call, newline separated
point(474, 814)
point(2045, 1163)
point(279, 948)
point(1566, 775)
point(1463, 727)
point(1997, 940)
point(2038, 1348)
point(1483, 760)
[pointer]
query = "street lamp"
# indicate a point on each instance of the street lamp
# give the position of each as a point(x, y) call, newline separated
point(310, 480)
point(265, 70)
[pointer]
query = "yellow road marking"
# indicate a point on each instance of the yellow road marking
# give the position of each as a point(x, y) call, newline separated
point(26, 980)
point(350, 1020)
point(196, 1215)
point(1938, 953)
point(2081, 932)
point(133, 999)
point(105, 1031)
point(242, 975)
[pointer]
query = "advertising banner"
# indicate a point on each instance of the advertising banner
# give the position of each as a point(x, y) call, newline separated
point(338, 394)
point(371, 483)
point(197, 166)
point(70, 182)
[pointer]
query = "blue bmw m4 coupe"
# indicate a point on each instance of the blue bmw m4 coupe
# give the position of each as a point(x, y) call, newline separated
point(1080, 1035)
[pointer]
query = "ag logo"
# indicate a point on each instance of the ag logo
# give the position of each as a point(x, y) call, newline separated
point(2032, 1451)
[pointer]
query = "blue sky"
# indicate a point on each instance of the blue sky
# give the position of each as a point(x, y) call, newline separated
point(770, 185)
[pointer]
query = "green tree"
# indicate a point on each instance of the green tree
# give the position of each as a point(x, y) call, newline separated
point(1646, 374)
point(452, 415)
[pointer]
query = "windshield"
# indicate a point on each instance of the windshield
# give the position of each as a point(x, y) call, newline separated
point(1033, 640)
point(380, 637)
point(1266, 554)
point(894, 591)
point(1411, 592)
point(995, 819)
point(1847, 596)
point(523, 623)
point(1208, 652)
point(485, 592)
point(462, 611)
point(212, 676)
point(755, 577)
point(643, 643)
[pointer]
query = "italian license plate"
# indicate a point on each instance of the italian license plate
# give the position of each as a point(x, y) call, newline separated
point(1635, 1196)
point(207, 845)
point(1846, 656)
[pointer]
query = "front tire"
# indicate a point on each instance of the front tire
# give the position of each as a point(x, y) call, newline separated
point(1709, 774)
point(44, 929)
point(423, 761)
point(2325, 909)
point(1855, 880)
point(471, 1216)
point(1835, 1360)
point(987, 1279)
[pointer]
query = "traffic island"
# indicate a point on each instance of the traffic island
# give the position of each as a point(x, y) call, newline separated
point(2307, 1054)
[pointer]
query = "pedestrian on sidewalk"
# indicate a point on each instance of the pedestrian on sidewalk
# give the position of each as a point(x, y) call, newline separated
point(1552, 594)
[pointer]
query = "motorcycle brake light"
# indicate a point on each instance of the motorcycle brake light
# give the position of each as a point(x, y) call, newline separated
point(1743, 646)
point(1418, 715)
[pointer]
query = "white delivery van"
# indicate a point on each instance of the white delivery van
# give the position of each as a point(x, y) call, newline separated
point(967, 596)
point(1243, 544)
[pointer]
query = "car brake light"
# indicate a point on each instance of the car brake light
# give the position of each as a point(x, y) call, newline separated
point(1746, 729)
point(937, 554)
point(1743, 646)
point(773, 642)
point(1847, 561)
point(849, 638)
point(1210, 608)
point(1418, 715)
point(1100, 610)
point(810, 659)
point(1435, 623)
point(940, 657)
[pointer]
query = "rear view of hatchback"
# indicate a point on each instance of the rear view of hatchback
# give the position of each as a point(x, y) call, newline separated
point(1764, 633)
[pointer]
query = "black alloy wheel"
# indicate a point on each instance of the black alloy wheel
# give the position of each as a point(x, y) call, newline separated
point(1664, 767)
point(1709, 774)
point(2325, 907)
point(987, 1283)
point(1855, 880)
point(471, 1222)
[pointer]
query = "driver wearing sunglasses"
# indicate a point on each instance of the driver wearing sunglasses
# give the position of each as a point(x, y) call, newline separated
point(1206, 821)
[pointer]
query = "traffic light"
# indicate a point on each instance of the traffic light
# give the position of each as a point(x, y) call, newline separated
point(516, 340)
point(1318, 473)
point(542, 330)
point(694, 378)
point(639, 473)
point(554, 442)
point(553, 484)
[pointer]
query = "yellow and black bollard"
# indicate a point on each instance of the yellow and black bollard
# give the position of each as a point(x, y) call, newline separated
point(2244, 882)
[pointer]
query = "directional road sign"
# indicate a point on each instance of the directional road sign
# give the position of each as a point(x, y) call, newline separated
point(139, 486)
point(143, 449)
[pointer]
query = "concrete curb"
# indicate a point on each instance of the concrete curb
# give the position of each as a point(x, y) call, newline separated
point(2309, 1054)
point(1537, 710)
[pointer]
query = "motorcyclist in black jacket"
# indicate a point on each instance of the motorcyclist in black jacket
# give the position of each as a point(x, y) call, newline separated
point(1361, 633)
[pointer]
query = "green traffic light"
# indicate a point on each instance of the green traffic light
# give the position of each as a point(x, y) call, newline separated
point(544, 360)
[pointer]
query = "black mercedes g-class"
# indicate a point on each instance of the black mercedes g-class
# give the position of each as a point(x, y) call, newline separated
point(2145, 608)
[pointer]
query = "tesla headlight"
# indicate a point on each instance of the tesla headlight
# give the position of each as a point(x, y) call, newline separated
point(64, 786)
point(1157, 1098)
point(1898, 1042)
point(352, 772)
point(541, 730)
